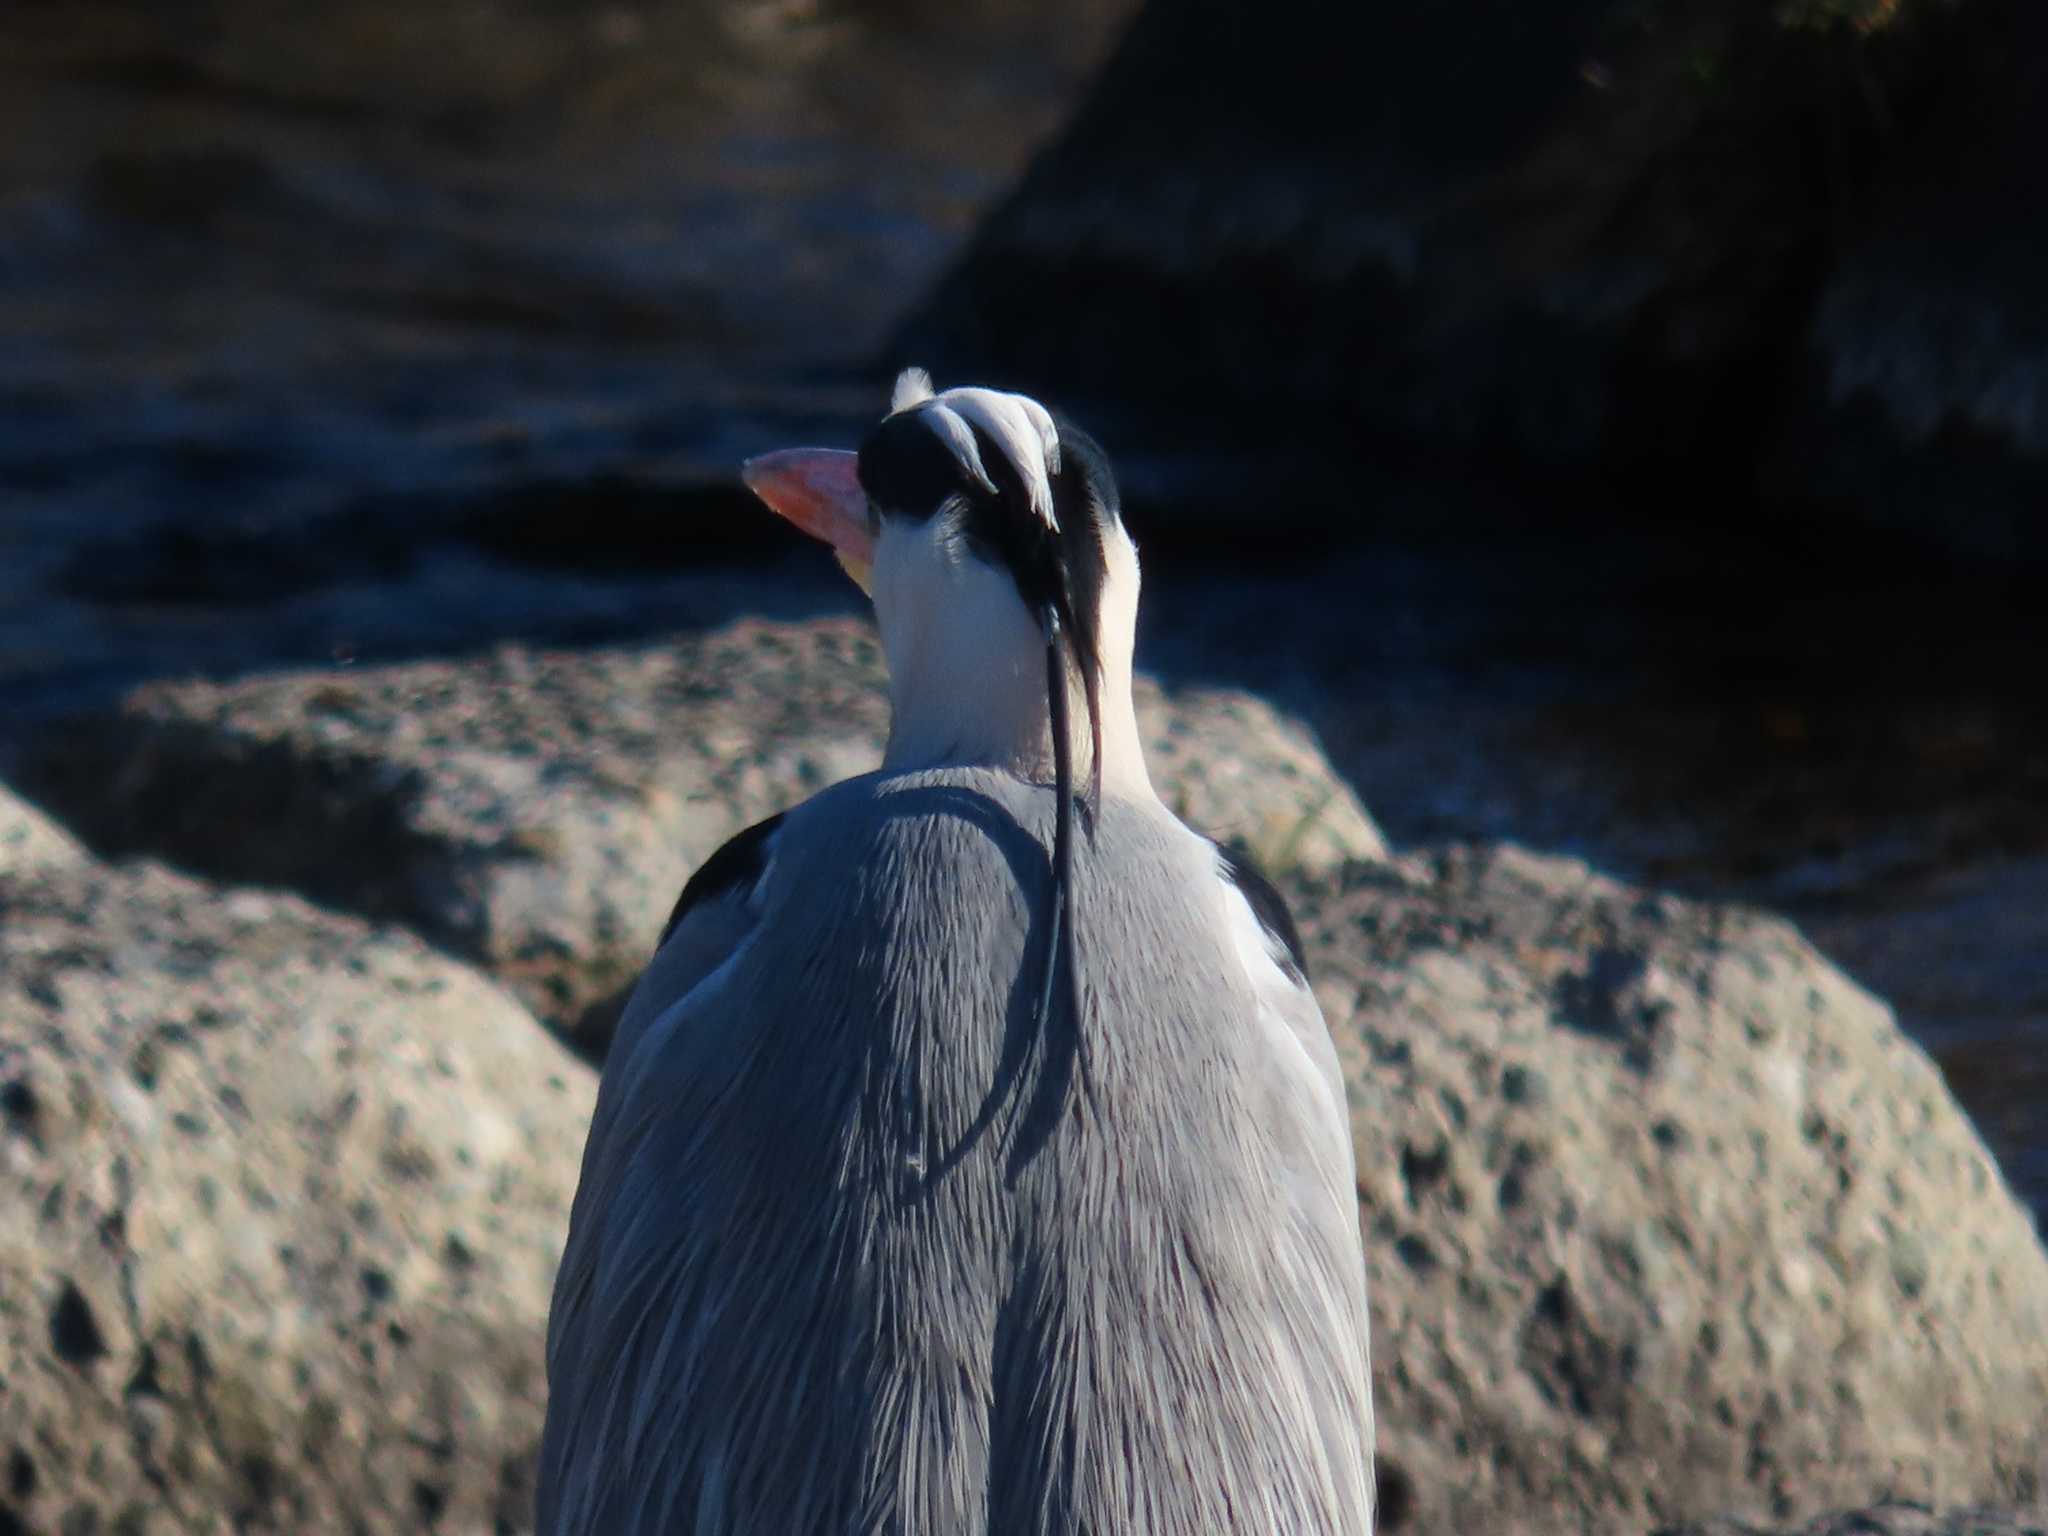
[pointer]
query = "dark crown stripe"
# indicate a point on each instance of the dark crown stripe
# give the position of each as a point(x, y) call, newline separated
point(909, 470)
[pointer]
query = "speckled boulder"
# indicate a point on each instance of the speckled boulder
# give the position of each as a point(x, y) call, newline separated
point(1665, 1217)
point(281, 1200)
point(538, 811)
point(1892, 1520)
point(30, 841)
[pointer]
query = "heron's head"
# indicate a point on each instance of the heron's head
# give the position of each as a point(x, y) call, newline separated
point(989, 535)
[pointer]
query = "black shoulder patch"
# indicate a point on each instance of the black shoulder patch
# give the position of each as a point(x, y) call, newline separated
point(1268, 906)
point(737, 865)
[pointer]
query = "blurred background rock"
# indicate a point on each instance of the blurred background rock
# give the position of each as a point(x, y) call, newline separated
point(1614, 427)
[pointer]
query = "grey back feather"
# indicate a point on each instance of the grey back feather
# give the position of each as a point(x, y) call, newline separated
point(849, 1257)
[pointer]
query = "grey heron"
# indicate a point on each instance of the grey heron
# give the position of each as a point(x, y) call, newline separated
point(972, 1158)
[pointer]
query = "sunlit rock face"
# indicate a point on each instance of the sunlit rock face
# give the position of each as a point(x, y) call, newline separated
point(285, 1194)
point(1665, 1218)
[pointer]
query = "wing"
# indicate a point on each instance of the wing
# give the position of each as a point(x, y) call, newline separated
point(812, 1284)
point(1279, 969)
point(1268, 906)
point(1310, 1123)
point(714, 915)
point(774, 1309)
point(713, 919)
point(1183, 1343)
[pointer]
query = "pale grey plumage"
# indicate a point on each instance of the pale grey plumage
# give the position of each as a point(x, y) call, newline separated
point(881, 1233)
point(852, 1253)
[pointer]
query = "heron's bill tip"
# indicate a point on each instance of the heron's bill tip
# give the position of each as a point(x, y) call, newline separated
point(818, 489)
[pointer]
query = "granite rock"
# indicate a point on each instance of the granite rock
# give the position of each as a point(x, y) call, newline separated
point(1892, 1519)
point(1666, 1219)
point(30, 842)
point(281, 1200)
point(537, 812)
point(1664, 1215)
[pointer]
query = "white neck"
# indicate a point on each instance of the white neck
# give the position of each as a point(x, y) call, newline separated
point(967, 664)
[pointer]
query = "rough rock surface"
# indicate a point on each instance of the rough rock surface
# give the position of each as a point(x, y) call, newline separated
point(539, 811)
point(30, 842)
point(1665, 1216)
point(1666, 1219)
point(281, 1198)
point(1895, 1519)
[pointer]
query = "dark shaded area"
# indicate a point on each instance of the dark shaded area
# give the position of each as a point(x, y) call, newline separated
point(21, 1474)
point(273, 788)
point(75, 1336)
point(1891, 1518)
point(1393, 1496)
point(1565, 1355)
point(1591, 1000)
point(20, 1107)
point(1680, 261)
point(1921, 404)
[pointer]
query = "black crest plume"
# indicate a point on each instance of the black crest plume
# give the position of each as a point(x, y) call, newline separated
point(917, 464)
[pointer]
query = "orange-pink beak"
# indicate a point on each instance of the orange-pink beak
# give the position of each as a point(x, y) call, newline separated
point(818, 490)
